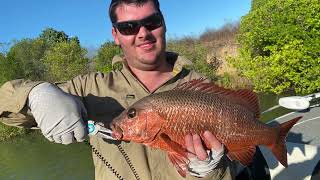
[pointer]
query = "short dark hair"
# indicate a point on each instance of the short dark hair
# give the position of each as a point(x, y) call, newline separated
point(115, 3)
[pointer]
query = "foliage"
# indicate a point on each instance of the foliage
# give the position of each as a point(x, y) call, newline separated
point(226, 33)
point(51, 36)
point(52, 56)
point(65, 60)
point(2, 57)
point(103, 60)
point(195, 52)
point(280, 45)
point(7, 69)
point(7, 132)
point(26, 57)
point(4, 73)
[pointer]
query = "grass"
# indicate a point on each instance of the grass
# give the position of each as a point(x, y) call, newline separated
point(210, 53)
point(223, 35)
point(9, 132)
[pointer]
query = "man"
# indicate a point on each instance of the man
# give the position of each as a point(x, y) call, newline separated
point(139, 29)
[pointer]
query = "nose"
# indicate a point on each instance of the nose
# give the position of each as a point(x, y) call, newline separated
point(143, 32)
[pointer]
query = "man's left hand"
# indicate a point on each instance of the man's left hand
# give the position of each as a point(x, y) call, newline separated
point(202, 162)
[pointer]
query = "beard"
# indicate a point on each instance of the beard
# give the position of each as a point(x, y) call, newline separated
point(147, 62)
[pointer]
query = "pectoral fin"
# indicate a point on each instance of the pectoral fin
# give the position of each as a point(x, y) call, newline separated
point(244, 156)
point(173, 146)
point(177, 155)
point(179, 162)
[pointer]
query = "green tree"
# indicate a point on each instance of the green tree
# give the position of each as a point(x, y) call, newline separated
point(5, 69)
point(26, 55)
point(7, 72)
point(52, 56)
point(103, 60)
point(256, 4)
point(280, 45)
point(65, 60)
point(51, 36)
point(196, 52)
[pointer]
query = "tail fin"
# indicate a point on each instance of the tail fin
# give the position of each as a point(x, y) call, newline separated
point(279, 149)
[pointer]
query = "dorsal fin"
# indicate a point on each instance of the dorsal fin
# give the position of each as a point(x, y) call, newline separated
point(244, 97)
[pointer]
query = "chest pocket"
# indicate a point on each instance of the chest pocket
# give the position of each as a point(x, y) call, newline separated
point(105, 109)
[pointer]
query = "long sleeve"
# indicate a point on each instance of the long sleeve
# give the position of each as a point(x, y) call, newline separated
point(13, 97)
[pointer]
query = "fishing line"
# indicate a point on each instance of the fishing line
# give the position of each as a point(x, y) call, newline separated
point(288, 114)
point(103, 159)
point(108, 165)
point(307, 120)
point(270, 109)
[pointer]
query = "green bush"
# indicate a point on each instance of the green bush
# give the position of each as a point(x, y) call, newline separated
point(7, 132)
point(280, 45)
point(222, 35)
point(7, 69)
point(26, 57)
point(65, 60)
point(53, 56)
point(195, 52)
point(103, 60)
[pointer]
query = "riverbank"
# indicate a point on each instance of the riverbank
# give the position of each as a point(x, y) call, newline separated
point(9, 132)
point(210, 54)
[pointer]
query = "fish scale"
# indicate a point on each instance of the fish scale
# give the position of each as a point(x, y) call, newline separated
point(162, 120)
point(204, 104)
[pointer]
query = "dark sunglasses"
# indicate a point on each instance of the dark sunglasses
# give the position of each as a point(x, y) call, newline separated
point(151, 22)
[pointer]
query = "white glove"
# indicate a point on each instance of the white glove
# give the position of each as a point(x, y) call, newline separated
point(59, 115)
point(200, 168)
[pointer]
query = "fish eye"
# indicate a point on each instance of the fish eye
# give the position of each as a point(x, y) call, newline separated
point(131, 113)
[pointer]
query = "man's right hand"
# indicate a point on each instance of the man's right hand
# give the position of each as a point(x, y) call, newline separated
point(59, 115)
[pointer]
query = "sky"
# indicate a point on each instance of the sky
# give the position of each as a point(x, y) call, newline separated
point(89, 21)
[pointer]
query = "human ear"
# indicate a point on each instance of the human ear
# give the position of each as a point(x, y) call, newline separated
point(115, 36)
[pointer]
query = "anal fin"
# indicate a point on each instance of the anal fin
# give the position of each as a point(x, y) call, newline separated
point(179, 162)
point(173, 146)
point(244, 156)
point(176, 154)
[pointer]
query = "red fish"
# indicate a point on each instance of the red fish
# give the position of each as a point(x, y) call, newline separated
point(162, 120)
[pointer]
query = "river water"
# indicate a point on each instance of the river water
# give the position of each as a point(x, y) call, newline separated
point(34, 158)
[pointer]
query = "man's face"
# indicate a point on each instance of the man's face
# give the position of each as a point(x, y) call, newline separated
point(146, 49)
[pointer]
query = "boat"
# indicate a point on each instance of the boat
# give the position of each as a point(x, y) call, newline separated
point(303, 144)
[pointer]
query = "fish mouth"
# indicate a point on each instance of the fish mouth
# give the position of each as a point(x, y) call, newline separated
point(117, 132)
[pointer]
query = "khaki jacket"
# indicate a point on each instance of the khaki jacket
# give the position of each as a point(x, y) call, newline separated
point(105, 96)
